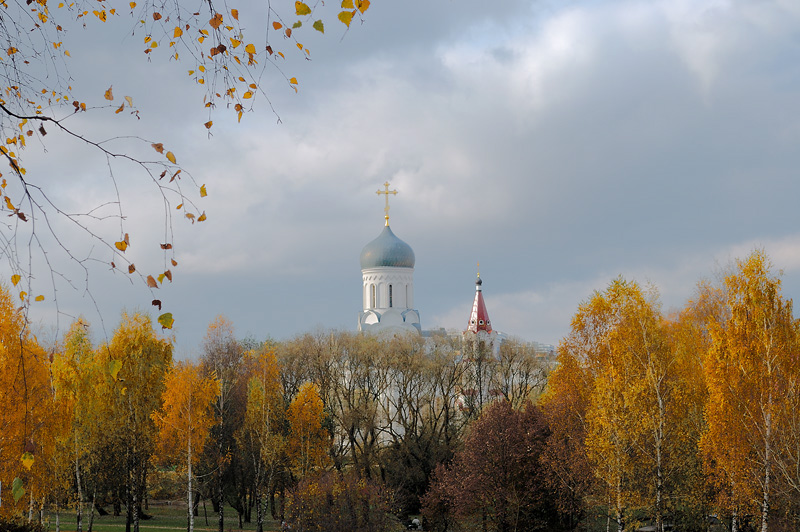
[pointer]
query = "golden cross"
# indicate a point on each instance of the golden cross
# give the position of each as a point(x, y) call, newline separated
point(386, 192)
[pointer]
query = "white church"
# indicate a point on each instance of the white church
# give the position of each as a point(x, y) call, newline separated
point(387, 271)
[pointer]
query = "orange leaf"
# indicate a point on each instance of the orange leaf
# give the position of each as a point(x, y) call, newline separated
point(151, 282)
point(277, 25)
point(109, 95)
point(235, 13)
point(159, 147)
point(216, 21)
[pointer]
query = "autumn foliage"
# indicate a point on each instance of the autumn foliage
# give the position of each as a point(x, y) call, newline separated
point(647, 419)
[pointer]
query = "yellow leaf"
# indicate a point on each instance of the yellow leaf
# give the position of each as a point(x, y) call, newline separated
point(235, 13)
point(202, 217)
point(203, 192)
point(129, 100)
point(27, 460)
point(293, 81)
point(15, 279)
point(301, 9)
point(9, 204)
point(12, 51)
point(250, 49)
point(171, 157)
point(208, 124)
point(235, 43)
point(247, 95)
point(346, 17)
point(161, 278)
point(122, 245)
point(166, 320)
point(23, 295)
point(40, 298)
point(113, 368)
point(363, 5)
point(177, 33)
point(66, 52)
point(109, 95)
point(347, 4)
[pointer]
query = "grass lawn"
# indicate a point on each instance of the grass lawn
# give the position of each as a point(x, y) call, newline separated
point(166, 516)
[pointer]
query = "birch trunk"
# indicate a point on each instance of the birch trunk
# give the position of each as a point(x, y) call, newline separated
point(189, 498)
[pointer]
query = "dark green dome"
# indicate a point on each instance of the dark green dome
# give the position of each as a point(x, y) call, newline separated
point(387, 250)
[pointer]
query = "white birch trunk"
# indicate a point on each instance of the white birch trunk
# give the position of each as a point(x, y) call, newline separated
point(79, 505)
point(189, 498)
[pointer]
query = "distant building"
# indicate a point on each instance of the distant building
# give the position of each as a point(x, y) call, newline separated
point(387, 272)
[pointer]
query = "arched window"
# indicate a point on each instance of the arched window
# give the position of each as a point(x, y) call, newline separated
point(373, 296)
point(390, 296)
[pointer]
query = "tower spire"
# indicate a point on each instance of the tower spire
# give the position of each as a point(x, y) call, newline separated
point(386, 193)
point(479, 318)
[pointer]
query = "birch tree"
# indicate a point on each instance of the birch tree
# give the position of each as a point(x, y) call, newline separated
point(185, 419)
point(750, 371)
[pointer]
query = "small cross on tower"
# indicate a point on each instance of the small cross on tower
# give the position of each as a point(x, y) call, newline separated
point(386, 192)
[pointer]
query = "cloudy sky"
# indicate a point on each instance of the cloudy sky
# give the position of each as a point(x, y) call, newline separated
point(559, 144)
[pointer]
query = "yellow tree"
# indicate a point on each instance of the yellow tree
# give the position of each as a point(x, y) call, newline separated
point(635, 430)
point(25, 409)
point(131, 386)
point(750, 370)
point(185, 418)
point(74, 396)
point(262, 431)
point(308, 440)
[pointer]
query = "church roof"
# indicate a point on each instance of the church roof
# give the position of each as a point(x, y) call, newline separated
point(387, 250)
point(479, 319)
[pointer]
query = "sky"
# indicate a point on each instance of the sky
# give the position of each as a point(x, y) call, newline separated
point(558, 144)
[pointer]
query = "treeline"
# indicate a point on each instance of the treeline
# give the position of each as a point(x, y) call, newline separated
point(257, 426)
point(688, 420)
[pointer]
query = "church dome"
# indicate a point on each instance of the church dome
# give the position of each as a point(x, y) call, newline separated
point(387, 250)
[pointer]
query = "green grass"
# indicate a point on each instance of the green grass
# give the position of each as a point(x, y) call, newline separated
point(166, 516)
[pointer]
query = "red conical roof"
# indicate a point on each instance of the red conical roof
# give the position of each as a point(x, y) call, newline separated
point(479, 319)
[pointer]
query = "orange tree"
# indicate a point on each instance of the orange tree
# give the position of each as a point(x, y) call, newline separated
point(185, 419)
point(751, 369)
point(309, 442)
point(25, 410)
